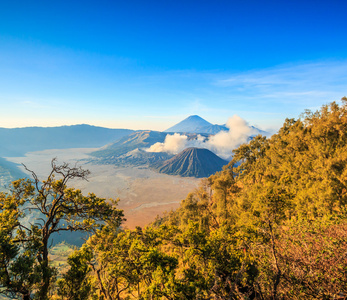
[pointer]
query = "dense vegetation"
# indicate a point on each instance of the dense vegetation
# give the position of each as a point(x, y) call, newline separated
point(25, 268)
point(271, 225)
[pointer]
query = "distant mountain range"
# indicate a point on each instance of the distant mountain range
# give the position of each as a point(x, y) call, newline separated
point(119, 146)
point(196, 162)
point(132, 149)
point(18, 141)
point(196, 124)
point(192, 162)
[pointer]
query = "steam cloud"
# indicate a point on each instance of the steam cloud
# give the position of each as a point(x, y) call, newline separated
point(176, 143)
point(221, 144)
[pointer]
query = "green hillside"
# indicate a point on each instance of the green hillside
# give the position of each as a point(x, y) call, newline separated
point(271, 225)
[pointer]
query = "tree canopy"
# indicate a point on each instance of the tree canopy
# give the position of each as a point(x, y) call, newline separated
point(51, 207)
point(271, 225)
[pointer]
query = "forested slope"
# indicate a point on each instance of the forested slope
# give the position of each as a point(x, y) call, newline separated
point(274, 227)
point(271, 225)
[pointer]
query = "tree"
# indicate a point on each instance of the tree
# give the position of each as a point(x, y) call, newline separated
point(129, 264)
point(51, 207)
point(272, 190)
point(74, 285)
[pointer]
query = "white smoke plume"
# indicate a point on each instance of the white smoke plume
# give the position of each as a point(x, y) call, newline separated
point(224, 142)
point(176, 143)
point(221, 144)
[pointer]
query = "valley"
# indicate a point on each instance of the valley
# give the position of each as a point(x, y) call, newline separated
point(173, 150)
point(143, 193)
point(149, 171)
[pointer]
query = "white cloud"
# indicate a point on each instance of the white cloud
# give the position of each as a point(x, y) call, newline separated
point(172, 144)
point(296, 84)
point(225, 141)
point(221, 144)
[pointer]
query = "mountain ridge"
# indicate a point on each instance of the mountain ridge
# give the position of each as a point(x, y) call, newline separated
point(137, 139)
point(18, 141)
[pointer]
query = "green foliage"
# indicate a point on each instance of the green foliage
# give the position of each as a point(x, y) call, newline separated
point(271, 190)
point(131, 262)
point(75, 285)
point(271, 225)
point(25, 270)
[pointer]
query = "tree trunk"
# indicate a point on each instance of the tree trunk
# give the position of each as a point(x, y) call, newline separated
point(26, 297)
point(46, 274)
point(278, 271)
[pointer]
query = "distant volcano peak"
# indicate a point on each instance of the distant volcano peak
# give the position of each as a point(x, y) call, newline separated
point(195, 117)
point(195, 124)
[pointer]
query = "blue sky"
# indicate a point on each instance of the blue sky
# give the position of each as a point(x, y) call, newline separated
point(149, 64)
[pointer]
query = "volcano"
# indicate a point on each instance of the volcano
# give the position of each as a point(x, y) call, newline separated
point(196, 124)
point(192, 162)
